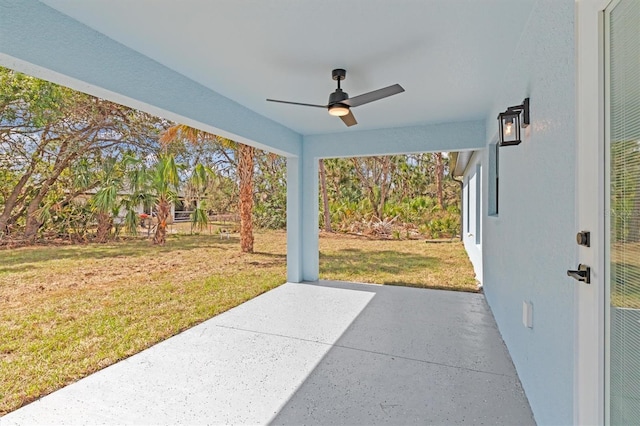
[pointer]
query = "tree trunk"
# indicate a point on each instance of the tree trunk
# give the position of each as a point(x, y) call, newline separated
point(164, 210)
point(33, 222)
point(439, 178)
point(12, 200)
point(385, 182)
point(358, 165)
point(245, 174)
point(10, 204)
point(105, 223)
point(325, 197)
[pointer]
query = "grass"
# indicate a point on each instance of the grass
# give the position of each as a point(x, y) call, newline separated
point(625, 273)
point(71, 310)
point(68, 311)
point(412, 263)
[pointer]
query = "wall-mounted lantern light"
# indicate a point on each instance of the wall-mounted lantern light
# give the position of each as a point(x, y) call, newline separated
point(510, 123)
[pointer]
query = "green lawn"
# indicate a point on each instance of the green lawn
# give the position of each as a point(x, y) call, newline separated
point(411, 263)
point(67, 311)
point(625, 270)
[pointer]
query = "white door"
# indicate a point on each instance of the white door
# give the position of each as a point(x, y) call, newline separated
point(589, 321)
point(607, 340)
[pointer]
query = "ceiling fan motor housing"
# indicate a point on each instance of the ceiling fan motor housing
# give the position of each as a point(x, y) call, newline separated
point(337, 97)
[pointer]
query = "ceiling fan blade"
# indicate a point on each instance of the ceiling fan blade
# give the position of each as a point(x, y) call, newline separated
point(373, 96)
point(297, 103)
point(349, 119)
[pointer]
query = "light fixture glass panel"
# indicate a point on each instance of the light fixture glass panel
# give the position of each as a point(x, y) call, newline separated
point(509, 122)
point(339, 110)
point(508, 127)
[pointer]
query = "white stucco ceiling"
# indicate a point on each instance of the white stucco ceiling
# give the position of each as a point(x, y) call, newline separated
point(449, 55)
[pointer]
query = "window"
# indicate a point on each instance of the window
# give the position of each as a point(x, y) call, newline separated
point(468, 204)
point(494, 187)
point(622, 121)
point(478, 202)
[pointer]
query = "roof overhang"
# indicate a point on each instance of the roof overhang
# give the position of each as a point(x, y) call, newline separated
point(460, 161)
point(212, 64)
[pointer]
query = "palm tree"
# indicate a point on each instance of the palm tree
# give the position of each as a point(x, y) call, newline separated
point(245, 164)
point(138, 179)
point(196, 191)
point(164, 185)
point(105, 201)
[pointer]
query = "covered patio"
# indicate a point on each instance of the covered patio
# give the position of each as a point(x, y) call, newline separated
point(311, 353)
point(168, 59)
point(213, 65)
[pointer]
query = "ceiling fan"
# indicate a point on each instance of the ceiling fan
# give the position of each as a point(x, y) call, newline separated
point(340, 103)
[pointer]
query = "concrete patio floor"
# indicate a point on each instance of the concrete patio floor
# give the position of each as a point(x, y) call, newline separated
point(311, 353)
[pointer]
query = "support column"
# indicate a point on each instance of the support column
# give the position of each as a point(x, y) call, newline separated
point(310, 208)
point(294, 214)
point(302, 219)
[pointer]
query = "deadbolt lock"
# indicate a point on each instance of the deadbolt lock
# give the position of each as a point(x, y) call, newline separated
point(583, 238)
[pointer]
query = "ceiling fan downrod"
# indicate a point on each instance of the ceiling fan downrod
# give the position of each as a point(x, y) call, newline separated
point(338, 96)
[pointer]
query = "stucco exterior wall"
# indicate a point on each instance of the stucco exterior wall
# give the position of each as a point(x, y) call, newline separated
point(526, 248)
point(530, 244)
point(473, 210)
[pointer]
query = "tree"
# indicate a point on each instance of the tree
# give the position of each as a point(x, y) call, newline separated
point(270, 190)
point(325, 196)
point(625, 190)
point(137, 191)
point(245, 175)
point(45, 130)
point(196, 194)
point(105, 201)
point(439, 178)
point(245, 164)
point(164, 186)
point(375, 176)
point(154, 186)
point(406, 191)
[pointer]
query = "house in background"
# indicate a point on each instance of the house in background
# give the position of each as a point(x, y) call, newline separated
point(468, 165)
point(212, 65)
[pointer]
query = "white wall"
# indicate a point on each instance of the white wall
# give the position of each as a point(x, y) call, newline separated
point(530, 244)
point(472, 207)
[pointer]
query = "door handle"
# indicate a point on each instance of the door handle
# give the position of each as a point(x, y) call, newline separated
point(582, 274)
